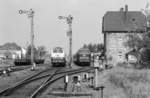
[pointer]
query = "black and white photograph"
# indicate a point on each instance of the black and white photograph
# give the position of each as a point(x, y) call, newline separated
point(74, 48)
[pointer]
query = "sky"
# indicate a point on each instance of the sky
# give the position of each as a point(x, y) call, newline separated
point(49, 30)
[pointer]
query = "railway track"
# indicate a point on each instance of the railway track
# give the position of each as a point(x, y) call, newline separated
point(24, 87)
point(32, 86)
point(17, 68)
point(57, 77)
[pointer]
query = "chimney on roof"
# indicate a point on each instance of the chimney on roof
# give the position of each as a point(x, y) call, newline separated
point(126, 8)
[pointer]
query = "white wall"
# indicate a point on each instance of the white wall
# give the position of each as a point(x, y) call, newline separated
point(115, 49)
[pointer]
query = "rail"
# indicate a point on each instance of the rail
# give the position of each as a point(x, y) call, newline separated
point(52, 77)
point(57, 77)
point(30, 78)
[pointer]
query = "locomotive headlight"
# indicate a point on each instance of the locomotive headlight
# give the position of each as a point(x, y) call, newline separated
point(84, 54)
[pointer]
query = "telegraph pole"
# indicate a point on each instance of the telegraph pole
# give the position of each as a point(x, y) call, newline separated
point(69, 34)
point(30, 14)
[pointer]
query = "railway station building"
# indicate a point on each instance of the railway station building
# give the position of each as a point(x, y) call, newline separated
point(116, 27)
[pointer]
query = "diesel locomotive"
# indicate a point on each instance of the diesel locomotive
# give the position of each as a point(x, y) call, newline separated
point(58, 57)
point(83, 57)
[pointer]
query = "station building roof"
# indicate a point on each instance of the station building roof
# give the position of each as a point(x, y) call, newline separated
point(10, 46)
point(124, 21)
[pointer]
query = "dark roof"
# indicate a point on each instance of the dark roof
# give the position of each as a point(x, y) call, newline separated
point(133, 52)
point(10, 46)
point(121, 21)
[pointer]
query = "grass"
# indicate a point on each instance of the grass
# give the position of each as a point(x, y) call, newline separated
point(133, 83)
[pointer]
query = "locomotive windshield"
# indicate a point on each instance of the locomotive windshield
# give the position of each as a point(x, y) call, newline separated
point(58, 50)
point(84, 51)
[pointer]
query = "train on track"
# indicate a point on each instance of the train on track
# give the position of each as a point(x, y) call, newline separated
point(82, 57)
point(22, 62)
point(58, 57)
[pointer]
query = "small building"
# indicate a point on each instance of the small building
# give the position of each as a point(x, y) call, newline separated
point(133, 56)
point(116, 27)
point(12, 51)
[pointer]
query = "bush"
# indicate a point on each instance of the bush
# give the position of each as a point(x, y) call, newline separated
point(124, 64)
point(134, 84)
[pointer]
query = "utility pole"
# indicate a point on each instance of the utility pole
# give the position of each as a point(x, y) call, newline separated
point(30, 14)
point(69, 34)
point(146, 12)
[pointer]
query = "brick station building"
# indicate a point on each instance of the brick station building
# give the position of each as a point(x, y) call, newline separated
point(116, 26)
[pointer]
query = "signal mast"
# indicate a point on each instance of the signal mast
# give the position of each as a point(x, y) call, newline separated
point(30, 14)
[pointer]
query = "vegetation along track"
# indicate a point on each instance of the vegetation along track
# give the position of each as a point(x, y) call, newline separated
point(35, 84)
point(18, 68)
point(13, 68)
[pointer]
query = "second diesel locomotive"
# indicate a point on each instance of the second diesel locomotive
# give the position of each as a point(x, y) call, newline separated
point(83, 57)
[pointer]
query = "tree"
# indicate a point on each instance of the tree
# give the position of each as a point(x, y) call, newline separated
point(145, 57)
point(90, 46)
point(100, 47)
point(85, 46)
point(28, 55)
point(94, 47)
point(41, 51)
point(134, 41)
point(142, 46)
